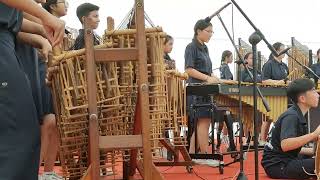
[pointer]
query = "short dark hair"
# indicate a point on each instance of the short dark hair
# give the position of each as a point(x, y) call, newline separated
point(297, 87)
point(84, 10)
point(225, 54)
point(201, 25)
point(167, 39)
point(277, 47)
point(47, 5)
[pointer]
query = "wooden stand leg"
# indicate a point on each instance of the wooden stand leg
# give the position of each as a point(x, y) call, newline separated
point(134, 152)
point(87, 175)
point(176, 150)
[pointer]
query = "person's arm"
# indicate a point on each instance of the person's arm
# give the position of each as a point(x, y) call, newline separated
point(289, 134)
point(28, 6)
point(54, 27)
point(196, 74)
point(31, 39)
point(190, 56)
point(306, 151)
point(190, 66)
point(297, 142)
point(31, 18)
point(32, 27)
point(36, 41)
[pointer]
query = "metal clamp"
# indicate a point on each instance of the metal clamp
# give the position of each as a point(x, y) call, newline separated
point(139, 3)
point(93, 117)
point(144, 88)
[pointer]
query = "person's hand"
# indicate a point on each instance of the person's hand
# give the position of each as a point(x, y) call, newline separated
point(212, 80)
point(224, 81)
point(54, 28)
point(317, 131)
point(279, 82)
point(46, 48)
point(50, 73)
point(42, 31)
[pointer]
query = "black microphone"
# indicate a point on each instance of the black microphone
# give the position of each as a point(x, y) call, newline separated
point(216, 68)
point(284, 51)
point(208, 19)
point(240, 62)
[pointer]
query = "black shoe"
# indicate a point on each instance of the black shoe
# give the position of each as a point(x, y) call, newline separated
point(233, 155)
point(169, 156)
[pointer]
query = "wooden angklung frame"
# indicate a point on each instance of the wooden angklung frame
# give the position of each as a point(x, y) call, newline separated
point(96, 142)
point(86, 94)
point(301, 53)
point(317, 160)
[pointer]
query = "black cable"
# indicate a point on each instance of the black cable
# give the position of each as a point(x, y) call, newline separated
point(167, 169)
point(305, 171)
point(232, 177)
point(227, 178)
point(198, 175)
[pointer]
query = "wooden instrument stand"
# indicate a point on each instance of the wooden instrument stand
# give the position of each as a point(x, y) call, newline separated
point(141, 137)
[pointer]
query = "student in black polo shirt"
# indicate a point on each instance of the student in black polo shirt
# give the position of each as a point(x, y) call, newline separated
point(275, 72)
point(282, 156)
point(226, 59)
point(223, 115)
point(49, 131)
point(316, 67)
point(170, 64)
point(91, 13)
point(274, 68)
point(19, 129)
point(168, 45)
point(199, 68)
point(245, 77)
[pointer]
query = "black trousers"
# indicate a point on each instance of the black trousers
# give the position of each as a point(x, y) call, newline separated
point(19, 125)
point(224, 117)
point(294, 169)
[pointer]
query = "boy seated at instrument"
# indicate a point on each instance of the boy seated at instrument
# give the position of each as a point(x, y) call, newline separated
point(90, 13)
point(284, 156)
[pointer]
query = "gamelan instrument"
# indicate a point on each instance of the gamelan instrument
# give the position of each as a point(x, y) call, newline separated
point(226, 95)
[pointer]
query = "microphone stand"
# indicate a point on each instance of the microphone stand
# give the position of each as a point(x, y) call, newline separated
point(242, 175)
point(274, 52)
point(310, 64)
point(241, 61)
point(208, 19)
point(254, 39)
